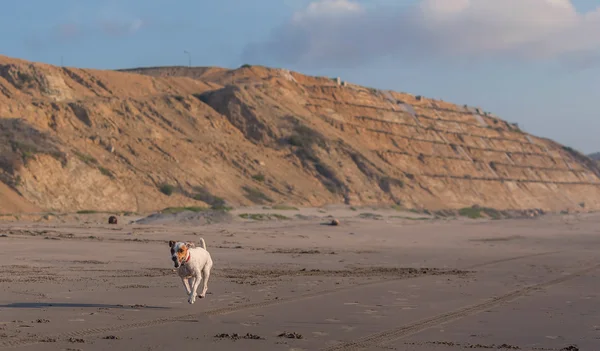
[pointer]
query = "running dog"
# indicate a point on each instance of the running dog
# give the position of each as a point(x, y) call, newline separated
point(193, 266)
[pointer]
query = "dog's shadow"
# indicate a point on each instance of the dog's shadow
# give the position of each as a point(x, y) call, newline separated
point(77, 305)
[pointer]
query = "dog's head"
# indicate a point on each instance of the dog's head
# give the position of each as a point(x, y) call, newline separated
point(179, 252)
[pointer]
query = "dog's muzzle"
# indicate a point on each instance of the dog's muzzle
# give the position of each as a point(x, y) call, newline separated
point(175, 261)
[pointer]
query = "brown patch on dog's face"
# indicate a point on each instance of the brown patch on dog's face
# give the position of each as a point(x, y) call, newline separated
point(182, 252)
point(179, 253)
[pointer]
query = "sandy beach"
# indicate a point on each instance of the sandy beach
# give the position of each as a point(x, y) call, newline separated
point(381, 280)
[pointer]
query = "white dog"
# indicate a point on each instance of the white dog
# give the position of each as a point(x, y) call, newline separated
point(193, 266)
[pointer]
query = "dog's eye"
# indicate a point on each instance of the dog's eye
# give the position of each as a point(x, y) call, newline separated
point(180, 250)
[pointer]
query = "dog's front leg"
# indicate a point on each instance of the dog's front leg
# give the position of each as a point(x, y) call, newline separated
point(191, 282)
point(195, 285)
point(186, 285)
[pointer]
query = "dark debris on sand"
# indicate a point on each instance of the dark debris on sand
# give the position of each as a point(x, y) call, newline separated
point(290, 335)
point(236, 336)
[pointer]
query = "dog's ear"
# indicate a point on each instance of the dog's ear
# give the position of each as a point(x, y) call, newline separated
point(190, 244)
point(171, 243)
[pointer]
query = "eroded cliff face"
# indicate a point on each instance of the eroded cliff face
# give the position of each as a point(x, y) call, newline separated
point(141, 140)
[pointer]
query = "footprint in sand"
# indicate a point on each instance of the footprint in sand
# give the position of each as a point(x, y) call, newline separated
point(347, 328)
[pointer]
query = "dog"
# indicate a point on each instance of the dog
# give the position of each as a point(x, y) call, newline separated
point(193, 266)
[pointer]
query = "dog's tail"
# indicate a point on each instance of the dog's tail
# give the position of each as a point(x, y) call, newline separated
point(203, 243)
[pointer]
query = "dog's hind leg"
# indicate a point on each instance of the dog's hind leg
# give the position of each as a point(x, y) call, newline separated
point(205, 276)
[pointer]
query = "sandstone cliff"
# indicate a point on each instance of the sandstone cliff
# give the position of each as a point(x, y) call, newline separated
point(144, 139)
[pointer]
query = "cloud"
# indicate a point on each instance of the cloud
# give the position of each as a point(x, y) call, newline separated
point(115, 27)
point(75, 32)
point(327, 9)
point(337, 33)
point(68, 30)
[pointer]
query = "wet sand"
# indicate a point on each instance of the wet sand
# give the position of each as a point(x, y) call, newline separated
point(372, 283)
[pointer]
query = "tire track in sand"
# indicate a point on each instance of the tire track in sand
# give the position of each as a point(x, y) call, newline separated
point(502, 260)
point(394, 334)
point(18, 342)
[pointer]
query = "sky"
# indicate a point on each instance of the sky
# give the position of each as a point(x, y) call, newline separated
point(533, 62)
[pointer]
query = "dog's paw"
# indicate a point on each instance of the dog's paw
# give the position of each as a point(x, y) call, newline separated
point(201, 296)
point(191, 300)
